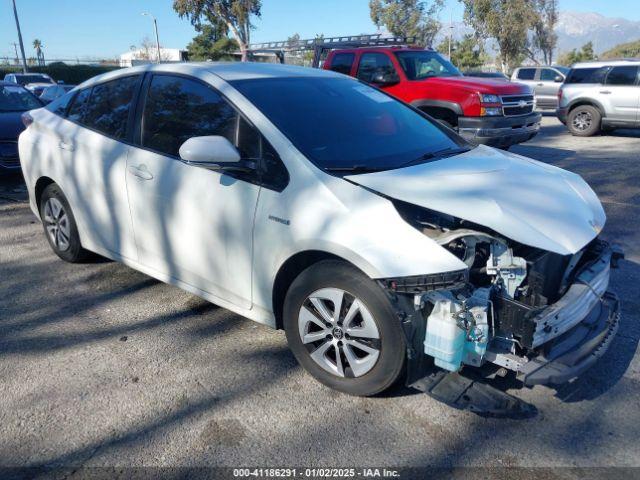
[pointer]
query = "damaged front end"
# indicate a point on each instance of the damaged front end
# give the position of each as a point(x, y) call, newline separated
point(542, 316)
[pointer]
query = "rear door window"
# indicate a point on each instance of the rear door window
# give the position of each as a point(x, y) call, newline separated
point(342, 62)
point(587, 75)
point(625, 75)
point(526, 73)
point(109, 105)
point(372, 64)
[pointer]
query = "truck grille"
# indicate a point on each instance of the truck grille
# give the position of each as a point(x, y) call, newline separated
point(514, 105)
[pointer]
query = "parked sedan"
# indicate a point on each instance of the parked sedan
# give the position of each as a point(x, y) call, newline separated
point(34, 82)
point(51, 92)
point(14, 101)
point(380, 241)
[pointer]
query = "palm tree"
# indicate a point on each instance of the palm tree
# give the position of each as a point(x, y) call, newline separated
point(37, 44)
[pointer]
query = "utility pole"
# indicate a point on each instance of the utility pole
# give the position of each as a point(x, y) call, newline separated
point(24, 59)
point(15, 47)
point(450, 32)
point(155, 26)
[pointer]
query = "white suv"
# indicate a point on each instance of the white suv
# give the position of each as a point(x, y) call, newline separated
point(600, 96)
point(303, 199)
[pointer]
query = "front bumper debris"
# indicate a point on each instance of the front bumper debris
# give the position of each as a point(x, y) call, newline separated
point(566, 357)
point(464, 391)
point(499, 131)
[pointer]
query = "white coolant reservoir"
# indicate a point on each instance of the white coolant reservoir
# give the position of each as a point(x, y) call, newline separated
point(444, 339)
point(457, 331)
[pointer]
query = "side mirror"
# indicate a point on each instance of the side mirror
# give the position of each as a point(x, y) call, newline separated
point(214, 153)
point(385, 79)
point(558, 79)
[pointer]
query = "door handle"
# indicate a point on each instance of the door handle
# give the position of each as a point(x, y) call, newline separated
point(66, 146)
point(541, 85)
point(606, 92)
point(141, 172)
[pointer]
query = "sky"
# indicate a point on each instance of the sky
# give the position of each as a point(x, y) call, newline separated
point(104, 29)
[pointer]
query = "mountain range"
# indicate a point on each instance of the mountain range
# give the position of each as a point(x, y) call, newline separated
point(574, 29)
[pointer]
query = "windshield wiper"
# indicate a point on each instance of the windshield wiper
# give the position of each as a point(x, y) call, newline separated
point(352, 169)
point(444, 153)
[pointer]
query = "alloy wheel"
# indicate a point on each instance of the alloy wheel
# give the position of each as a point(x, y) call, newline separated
point(57, 224)
point(582, 121)
point(339, 332)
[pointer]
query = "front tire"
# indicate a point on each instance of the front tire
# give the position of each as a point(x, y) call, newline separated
point(342, 329)
point(584, 121)
point(60, 225)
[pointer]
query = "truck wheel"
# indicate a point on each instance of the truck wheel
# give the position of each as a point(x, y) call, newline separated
point(60, 225)
point(584, 121)
point(342, 329)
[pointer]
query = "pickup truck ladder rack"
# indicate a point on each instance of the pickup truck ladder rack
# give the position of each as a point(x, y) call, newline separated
point(320, 46)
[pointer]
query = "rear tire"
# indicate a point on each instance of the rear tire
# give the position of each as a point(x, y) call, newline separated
point(360, 349)
point(60, 225)
point(584, 121)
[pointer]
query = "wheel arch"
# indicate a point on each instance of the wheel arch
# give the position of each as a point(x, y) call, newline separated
point(442, 109)
point(289, 271)
point(42, 183)
point(586, 101)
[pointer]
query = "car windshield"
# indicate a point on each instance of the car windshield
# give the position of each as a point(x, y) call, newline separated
point(562, 70)
point(343, 125)
point(421, 64)
point(16, 99)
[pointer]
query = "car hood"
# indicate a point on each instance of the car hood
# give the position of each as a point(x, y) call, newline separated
point(525, 200)
point(481, 85)
point(10, 125)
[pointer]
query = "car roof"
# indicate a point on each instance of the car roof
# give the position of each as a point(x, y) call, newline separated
point(29, 74)
point(540, 66)
point(228, 71)
point(604, 63)
point(10, 84)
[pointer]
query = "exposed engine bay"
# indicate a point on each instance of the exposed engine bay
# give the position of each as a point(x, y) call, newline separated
point(513, 305)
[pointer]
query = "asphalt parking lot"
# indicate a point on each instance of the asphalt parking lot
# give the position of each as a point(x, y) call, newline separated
point(104, 366)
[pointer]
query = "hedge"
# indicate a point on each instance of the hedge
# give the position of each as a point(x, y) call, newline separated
point(70, 74)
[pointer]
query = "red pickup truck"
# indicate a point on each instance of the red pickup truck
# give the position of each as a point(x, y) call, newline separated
point(491, 112)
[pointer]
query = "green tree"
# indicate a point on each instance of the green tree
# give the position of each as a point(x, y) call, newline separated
point(235, 14)
point(585, 54)
point(37, 44)
point(211, 43)
point(508, 22)
point(411, 18)
point(544, 37)
point(623, 50)
point(466, 54)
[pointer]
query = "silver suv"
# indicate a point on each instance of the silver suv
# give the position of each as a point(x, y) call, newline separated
point(544, 80)
point(600, 96)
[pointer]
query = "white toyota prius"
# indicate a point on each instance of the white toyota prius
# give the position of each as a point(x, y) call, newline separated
point(380, 241)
